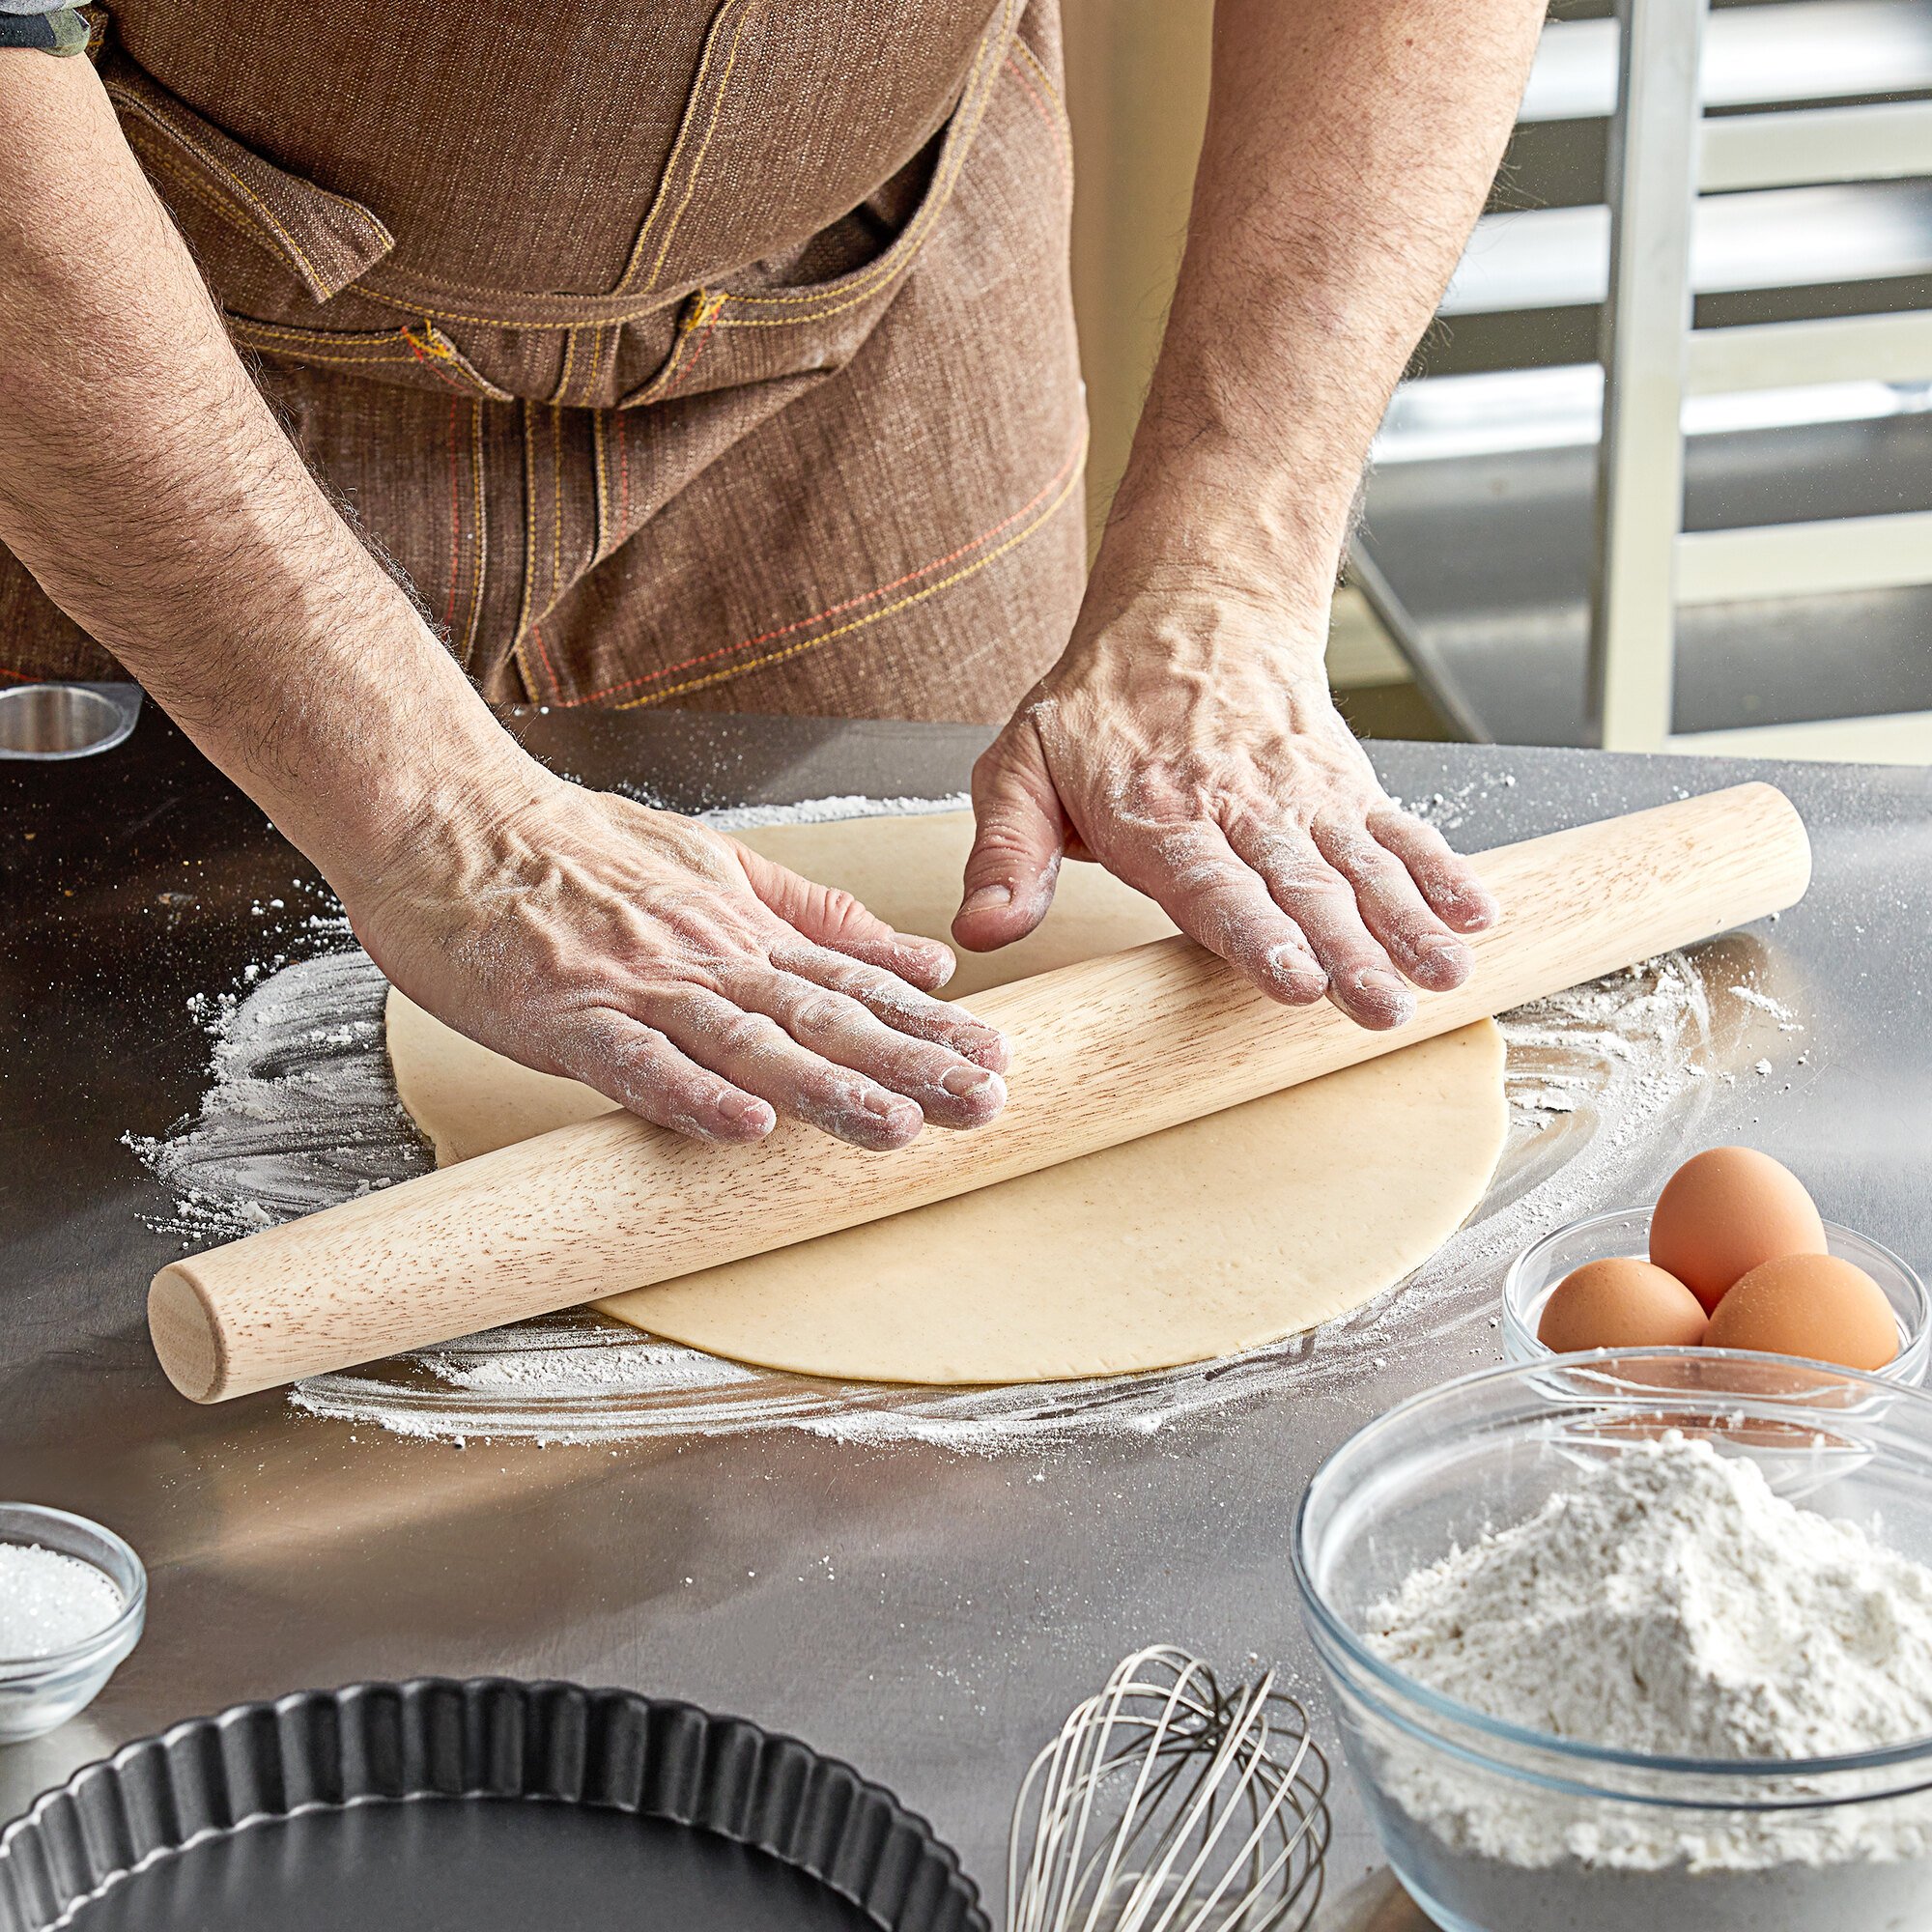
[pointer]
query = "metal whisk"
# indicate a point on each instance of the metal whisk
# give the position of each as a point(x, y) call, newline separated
point(1167, 1805)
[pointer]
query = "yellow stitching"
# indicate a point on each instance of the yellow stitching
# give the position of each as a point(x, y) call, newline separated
point(524, 602)
point(600, 472)
point(169, 161)
point(899, 256)
point(317, 355)
point(581, 320)
point(387, 337)
point(295, 248)
point(560, 395)
point(698, 163)
point(455, 370)
point(318, 346)
point(699, 84)
point(347, 203)
point(902, 256)
point(617, 317)
point(482, 528)
point(872, 617)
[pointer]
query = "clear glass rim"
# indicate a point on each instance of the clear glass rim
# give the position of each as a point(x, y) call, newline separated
point(15, 1669)
point(1331, 1627)
point(1916, 1342)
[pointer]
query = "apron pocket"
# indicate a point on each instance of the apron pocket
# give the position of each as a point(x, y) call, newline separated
point(786, 317)
point(326, 241)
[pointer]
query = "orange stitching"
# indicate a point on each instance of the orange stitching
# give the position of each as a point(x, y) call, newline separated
point(550, 669)
point(1045, 79)
point(700, 301)
point(20, 677)
point(716, 309)
point(852, 603)
point(417, 349)
point(1059, 159)
point(858, 623)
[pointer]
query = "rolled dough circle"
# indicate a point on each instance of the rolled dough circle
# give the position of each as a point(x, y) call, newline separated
point(1212, 1238)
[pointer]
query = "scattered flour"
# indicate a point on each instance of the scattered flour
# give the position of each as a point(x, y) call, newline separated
point(49, 1602)
point(302, 1112)
point(1671, 1604)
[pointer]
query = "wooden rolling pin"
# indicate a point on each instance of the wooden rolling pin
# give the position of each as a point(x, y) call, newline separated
point(1103, 1052)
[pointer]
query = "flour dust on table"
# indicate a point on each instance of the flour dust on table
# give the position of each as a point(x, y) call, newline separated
point(1596, 1080)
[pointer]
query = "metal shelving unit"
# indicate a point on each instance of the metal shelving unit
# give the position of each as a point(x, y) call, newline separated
point(1714, 537)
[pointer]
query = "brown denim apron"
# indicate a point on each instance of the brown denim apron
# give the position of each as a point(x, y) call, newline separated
point(713, 353)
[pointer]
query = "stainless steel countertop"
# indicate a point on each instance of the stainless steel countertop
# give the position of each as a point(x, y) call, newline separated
point(926, 1614)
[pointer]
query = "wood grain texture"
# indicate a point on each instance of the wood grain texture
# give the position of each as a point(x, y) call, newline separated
point(1103, 1052)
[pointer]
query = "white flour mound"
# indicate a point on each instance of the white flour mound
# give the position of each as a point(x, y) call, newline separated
point(1669, 1603)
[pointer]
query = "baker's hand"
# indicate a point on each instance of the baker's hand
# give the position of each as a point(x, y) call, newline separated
point(1189, 743)
point(673, 970)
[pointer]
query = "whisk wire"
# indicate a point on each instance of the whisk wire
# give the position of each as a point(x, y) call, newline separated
point(1165, 1804)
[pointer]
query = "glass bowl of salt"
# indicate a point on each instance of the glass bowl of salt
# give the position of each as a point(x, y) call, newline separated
point(73, 1600)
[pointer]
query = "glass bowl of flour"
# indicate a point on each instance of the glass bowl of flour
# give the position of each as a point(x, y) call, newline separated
point(1599, 1662)
point(73, 1598)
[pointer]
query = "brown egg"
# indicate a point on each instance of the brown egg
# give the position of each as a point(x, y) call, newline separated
point(1620, 1303)
point(1817, 1306)
point(1725, 1211)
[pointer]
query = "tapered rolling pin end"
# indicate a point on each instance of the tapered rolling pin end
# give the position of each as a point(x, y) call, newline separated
point(187, 1336)
point(1785, 837)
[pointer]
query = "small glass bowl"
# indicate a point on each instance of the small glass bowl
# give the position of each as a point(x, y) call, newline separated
point(1626, 1231)
point(37, 1693)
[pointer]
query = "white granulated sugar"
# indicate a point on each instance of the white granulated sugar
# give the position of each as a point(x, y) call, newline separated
point(50, 1601)
point(1669, 1604)
point(302, 1112)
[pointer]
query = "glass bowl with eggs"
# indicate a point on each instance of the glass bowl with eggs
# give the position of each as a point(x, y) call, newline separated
point(1733, 1257)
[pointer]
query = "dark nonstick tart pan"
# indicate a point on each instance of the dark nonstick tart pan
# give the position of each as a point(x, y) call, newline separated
point(444, 1806)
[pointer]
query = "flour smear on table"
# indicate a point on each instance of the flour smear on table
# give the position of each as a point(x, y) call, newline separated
point(1604, 1082)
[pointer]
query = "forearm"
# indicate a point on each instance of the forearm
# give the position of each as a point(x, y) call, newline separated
point(1350, 145)
point(146, 484)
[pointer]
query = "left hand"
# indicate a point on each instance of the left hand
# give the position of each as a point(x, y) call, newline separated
point(1188, 743)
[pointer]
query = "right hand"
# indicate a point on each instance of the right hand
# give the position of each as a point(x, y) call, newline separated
point(676, 971)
